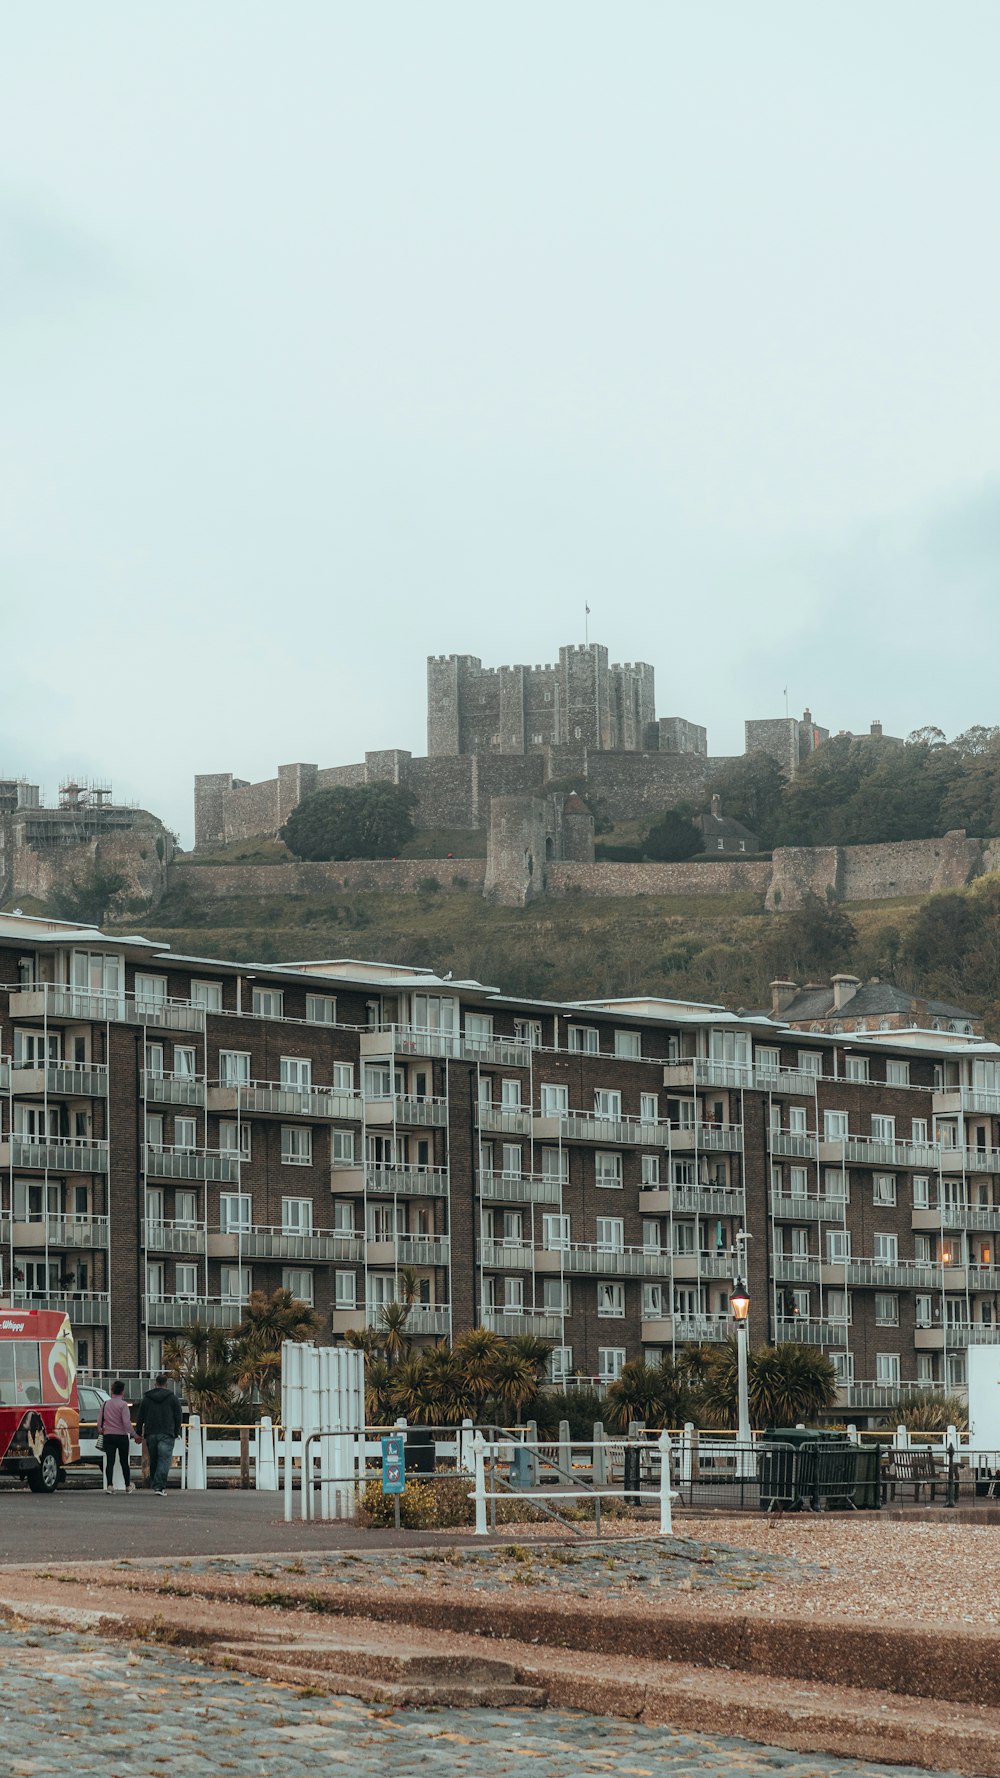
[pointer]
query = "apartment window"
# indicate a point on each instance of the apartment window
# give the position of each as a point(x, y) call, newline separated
point(897, 1074)
point(208, 995)
point(478, 1028)
point(345, 1287)
point(343, 1216)
point(296, 1216)
point(435, 1012)
point(682, 1173)
point(799, 1181)
point(684, 1237)
point(510, 1095)
point(36, 1122)
point(834, 1125)
point(554, 1100)
point(528, 1031)
point(513, 1228)
point(856, 1067)
point(955, 1371)
point(607, 1103)
point(649, 1108)
point(922, 1249)
point(886, 1310)
point(185, 1135)
point(234, 1068)
point(321, 1009)
point(555, 1165)
point(484, 1091)
point(883, 1129)
point(583, 1039)
point(611, 1301)
point(186, 1280)
point(810, 1062)
point(607, 1169)
point(923, 1311)
point(887, 1368)
point(956, 1311)
point(798, 1243)
point(610, 1362)
point(343, 1077)
point(235, 1212)
point(768, 1061)
point(154, 1204)
point(154, 1129)
point(921, 1192)
point(296, 1072)
point(650, 1235)
point(560, 1363)
point(32, 1049)
point(342, 1148)
point(649, 1169)
point(236, 1283)
point(687, 1302)
point(154, 1060)
point(885, 1249)
point(843, 1368)
point(835, 1183)
point(555, 1232)
point(299, 1282)
point(884, 1188)
point(838, 1246)
point(730, 1046)
point(184, 1062)
point(513, 1294)
point(296, 1146)
point(234, 1138)
point(268, 1003)
point(150, 992)
point(556, 1296)
point(796, 1120)
point(610, 1234)
point(186, 1209)
point(918, 1130)
point(628, 1044)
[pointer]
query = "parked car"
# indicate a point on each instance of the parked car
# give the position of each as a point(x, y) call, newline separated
point(91, 1401)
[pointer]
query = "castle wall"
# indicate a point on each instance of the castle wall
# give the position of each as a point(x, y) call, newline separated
point(638, 784)
point(443, 674)
point(735, 877)
point(139, 853)
point(877, 873)
point(445, 791)
point(515, 855)
point(381, 876)
point(341, 777)
point(250, 810)
point(779, 736)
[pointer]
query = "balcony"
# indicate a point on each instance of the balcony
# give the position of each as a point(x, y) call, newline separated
point(708, 1138)
point(587, 1126)
point(54, 1156)
point(796, 1144)
point(268, 1098)
point(954, 1100)
point(701, 1328)
point(698, 1072)
point(876, 1274)
point(174, 1237)
point(794, 1207)
point(504, 1120)
point(866, 1151)
point(962, 1216)
point(520, 1188)
point(422, 1318)
point(510, 1323)
point(412, 1040)
point(62, 1080)
point(184, 1311)
point(404, 1109)
point(703, 1200)
point(883, 1396)
point(408, 1182)
point(790, 1269)
point(172, 1089)
point(506, 1256)
point(803, 1332)
point(969, 1160)
point(604, 1262)
point(80, 1005)
point(4, 1074)
point(79, 1233)
point(404, 1249)
point(85, 1308)
point(281, 1244)
point(190, 1163)
point(962, 1334)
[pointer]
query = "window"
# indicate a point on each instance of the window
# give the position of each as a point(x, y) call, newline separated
point(730, 1046)
point(918, 1130)
point(886, 1310)
point(834, 1125)
point(885, 1249)
point(607, 1103)
point(555, 1232)
point(528, 1031)
point(154, 1060)
point(610, 1362)
point(682, 1172)
point(650, 1235)
point(611, 1301)
point(208, 995)
point(512, 1228)
point(510, 1095)
point(649, 1169)
point(584, 1039)
point(512, 1160)
point(186, 1209)
point(186, 1280)
point(884, 1188)
point(607, 1169)
point(300, 1282)
point(268, 1003)
point(343, 1077)
point(684, 1237)
point(652, 1302)
point(97, 972)
point(799, 1181)
point(435, 1012)
point(321, 1009)
point(956, 1311)
point(235, 1212)
point(955, 1372)
point(32, 1049)
point(154, 1129)
point(628, 1043)
point(897, 1074)
point(296, 1072)
point(478, 1029)
point(835, 1183)
point(797, 1120)
point(343, 1216)
point(798, 1243)
point(843, 1368)
point(649, 1108)
point(184, 1062)
point(234, 1138)
point(234, 1068)
point(154, 1204)
point(555, 1165)
point(883, 1129)
point(921, 1192)
point(768, 1061)
point(560, 1363)
point(236, 1283)
point(150, 992)
point(342, 1148)
point(810, 1062)
point(556, 1296)
point(296, 1146)
point(923, 1309)
point(856, 1067)
point(838, 1246)
point(345, 1287)
point(887, 1368)
point(610, 1234)
point(513, 1294)
point(185, 1135)
point(554, 1100)
point(296, 1216)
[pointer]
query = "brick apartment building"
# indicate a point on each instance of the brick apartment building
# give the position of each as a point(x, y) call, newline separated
point(175, 1132)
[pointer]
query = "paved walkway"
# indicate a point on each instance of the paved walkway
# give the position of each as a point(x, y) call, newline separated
point(72, 1703)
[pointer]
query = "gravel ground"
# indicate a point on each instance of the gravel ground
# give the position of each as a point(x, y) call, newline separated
point(70, 1703)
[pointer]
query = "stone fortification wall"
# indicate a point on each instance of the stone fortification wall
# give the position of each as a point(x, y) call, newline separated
point(693, 877)
point(445, 790)
point(140, 854)
point(382, 876)
point(878, 873)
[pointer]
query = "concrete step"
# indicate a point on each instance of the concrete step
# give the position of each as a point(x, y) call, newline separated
point(285, 1668)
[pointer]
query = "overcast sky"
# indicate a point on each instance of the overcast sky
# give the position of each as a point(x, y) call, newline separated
point(334, 335)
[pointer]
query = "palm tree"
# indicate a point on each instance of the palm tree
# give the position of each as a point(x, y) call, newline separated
point(513, 1382)
point(636, 1395)
point(787, 1383)
point(476, 1353)
point(416, 1390)
point(407, 1285)
point(535, 1350)
point(392, 1321)
point(933, 1410)
point(363, 1339)
point(381, 1405)
point(279, 1317)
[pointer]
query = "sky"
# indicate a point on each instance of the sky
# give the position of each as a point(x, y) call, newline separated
point(333, 336)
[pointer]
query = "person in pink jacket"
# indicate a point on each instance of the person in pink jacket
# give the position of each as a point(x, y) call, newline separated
point(115, 1427)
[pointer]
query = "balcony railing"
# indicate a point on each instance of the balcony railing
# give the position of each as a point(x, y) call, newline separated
point(702, 1327)
point(520, 1188)
point(45, 1001)
point(85, 1308)
point(970, 1160)
point(173, 1237)
point(507, 1256)
point(511, 1322)
point(877, 1274)
point(268, 1098)
point(284, 1244)
point(791, 1269)
point(504, 1120)
point(959, 1334)
point(184, 1311)
point(63, 1080)
point(422, 1319)
point(173, 1089)
point(795, 1143)
point(796, 1207)
point(84, 1233)
point(971, 1216)
point(421, 1250)
point(804, 1332)
point(407, 1182)
point(190, 1163)
point(413, 1040)
point(403, 1108)
point(612, 1262)
point(54, 1156)
point(868, 1151)
point(698, 1072)
point(883, 1395)
point(705, 1200)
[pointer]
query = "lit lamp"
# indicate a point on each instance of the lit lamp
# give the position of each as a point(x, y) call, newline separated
point(739, 1302)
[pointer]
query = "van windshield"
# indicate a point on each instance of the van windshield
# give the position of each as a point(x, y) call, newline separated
point(20, 1374)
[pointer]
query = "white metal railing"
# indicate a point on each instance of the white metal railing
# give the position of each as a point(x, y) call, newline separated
point(70, 1080)
point(260, 1242)
point(705, 1200)
point(81, 1232)
point(184, 1311)
point(521, 1188)
point(190, 1163)
point(407, 1182)
point(796, 1207)
point(874, 1152)
point(504, 1120)
point(970, 1216)
point(876, 1274)
point(421, 1250)
point(970, 1160)
point(405, 1108)
point(173, 1089)
point(53, 1154)
point(806, 1332)
point(86, 1308)
point(792, 1269)
point(44, 1000)
point(798, 1144)
point(415, 1040)
point(423, 1318)
point(271, 1098)
point(543, 1323)
point(173, 1237)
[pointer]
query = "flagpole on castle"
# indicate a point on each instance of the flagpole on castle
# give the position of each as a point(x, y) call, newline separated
point(586, 625)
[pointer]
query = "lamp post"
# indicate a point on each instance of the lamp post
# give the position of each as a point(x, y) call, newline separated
point(739, 1302)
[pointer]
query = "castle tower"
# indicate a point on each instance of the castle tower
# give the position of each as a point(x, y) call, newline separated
point(587, 714)
point(447, 689)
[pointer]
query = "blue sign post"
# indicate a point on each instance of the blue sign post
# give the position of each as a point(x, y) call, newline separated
point(394, 1469)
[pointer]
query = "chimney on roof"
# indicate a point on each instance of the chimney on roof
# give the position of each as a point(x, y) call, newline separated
point(876, 731)
point(716, 807)
point(844, 989)
point(782, 995)
point(807, 716)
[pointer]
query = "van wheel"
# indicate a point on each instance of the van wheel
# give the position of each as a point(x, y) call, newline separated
point(46, 1478)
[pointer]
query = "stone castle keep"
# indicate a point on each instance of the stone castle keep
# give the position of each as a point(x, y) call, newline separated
point(514, 731)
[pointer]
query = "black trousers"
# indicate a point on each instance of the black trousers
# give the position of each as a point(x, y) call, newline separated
point(116, 1445)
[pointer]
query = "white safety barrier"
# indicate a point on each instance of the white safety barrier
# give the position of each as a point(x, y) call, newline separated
point(265, 1460)
point(323, 1401)
point(194, 1473)
point(570, 1494)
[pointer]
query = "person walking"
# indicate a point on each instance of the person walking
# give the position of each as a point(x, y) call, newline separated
point(114, 1423)
point(159, 1422)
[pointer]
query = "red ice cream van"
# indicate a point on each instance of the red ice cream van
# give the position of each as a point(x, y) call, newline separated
point(39, 1413)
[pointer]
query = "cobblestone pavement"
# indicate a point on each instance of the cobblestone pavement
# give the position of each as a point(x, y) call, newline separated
point(583, 1570)
point(72, 1704)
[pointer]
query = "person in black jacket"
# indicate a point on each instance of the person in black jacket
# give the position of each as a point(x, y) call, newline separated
point(159, 1422)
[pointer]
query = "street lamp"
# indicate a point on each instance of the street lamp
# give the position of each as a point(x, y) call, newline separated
point(739, 1302)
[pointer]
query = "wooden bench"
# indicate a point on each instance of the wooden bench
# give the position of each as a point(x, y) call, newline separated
point(912, 1469)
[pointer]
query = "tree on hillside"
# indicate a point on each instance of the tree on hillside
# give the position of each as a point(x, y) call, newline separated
point(673, 837)
point(86, 899)
point(751, 790)
point(367, 821)
point(816, 938)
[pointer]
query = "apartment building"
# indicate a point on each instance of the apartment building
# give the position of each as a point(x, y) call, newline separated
point(177, 1131)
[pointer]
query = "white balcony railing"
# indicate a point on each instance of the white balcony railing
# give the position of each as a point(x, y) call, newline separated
point(62, 1080)
point(797, 1207)
point(85, 1308)
point(520, 1188)
point(414, 1040)
point(269, 1098)
point(83, 1233)
point(173, 1089)
point(45, 1001)
point(190, 1163)
point(407, 1182)
point(173, 1237)
point(54, 1155)
point(185, 1311)
point(543, 1323)
point(422, 1318)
